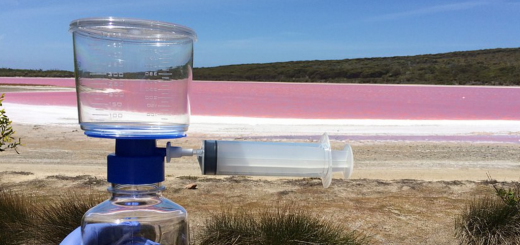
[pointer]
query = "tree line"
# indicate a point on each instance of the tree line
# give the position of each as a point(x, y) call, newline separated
point(479, 67)
point(8, 72)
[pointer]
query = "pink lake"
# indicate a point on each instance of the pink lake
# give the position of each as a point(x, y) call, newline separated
point(319, 101)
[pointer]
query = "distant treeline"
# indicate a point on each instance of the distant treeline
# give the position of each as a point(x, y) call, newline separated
point(480, 67)
point(8, 72)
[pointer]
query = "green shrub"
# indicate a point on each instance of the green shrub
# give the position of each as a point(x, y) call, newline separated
point(7, 140)
point(288, 225)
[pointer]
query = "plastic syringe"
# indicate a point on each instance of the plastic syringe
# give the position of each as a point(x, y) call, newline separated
point(251, 158)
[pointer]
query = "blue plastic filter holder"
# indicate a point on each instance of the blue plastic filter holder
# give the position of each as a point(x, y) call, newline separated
point(136, 162)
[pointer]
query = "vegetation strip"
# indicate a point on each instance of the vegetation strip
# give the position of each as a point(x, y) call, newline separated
point(479, 67)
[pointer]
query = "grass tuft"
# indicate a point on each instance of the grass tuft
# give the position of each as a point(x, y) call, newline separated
point(60, 217)
point(488, 220)
point(25, 221)
point(15, 218)
point(285, 225)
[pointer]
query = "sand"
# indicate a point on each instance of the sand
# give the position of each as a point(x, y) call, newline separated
point(401, 191)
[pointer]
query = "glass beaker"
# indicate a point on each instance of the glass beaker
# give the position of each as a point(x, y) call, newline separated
point(132, 77)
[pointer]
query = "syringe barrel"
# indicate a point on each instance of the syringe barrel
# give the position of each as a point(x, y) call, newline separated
point(270, 159)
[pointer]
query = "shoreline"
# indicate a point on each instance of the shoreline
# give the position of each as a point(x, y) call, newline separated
point(500, 131)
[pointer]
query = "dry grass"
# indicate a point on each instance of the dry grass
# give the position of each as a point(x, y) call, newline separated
point(273, 226)
point(391, 211)
point(16, 218)
point(61, 216)
point(488, 220)
point(26, 220)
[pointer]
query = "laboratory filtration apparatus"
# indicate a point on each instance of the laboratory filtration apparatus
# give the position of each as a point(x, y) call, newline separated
point(132, 82)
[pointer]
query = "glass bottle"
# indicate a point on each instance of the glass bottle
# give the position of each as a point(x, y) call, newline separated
point(134, 215)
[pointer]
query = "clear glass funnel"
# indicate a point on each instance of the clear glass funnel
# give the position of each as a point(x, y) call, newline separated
point(132, 77)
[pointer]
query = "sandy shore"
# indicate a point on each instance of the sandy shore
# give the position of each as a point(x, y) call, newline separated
point(401, 192)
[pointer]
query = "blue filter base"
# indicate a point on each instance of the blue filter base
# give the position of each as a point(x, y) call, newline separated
point(135, 170)
point(136, 162)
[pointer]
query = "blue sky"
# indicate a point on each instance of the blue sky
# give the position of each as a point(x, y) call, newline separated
point(34, 33)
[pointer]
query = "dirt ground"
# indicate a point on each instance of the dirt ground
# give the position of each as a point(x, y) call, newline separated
point(400, 192)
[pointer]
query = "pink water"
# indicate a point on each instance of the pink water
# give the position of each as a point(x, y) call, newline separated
point(59, 82)
point(433, 138)
point(347, 101)
point(320, 101)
